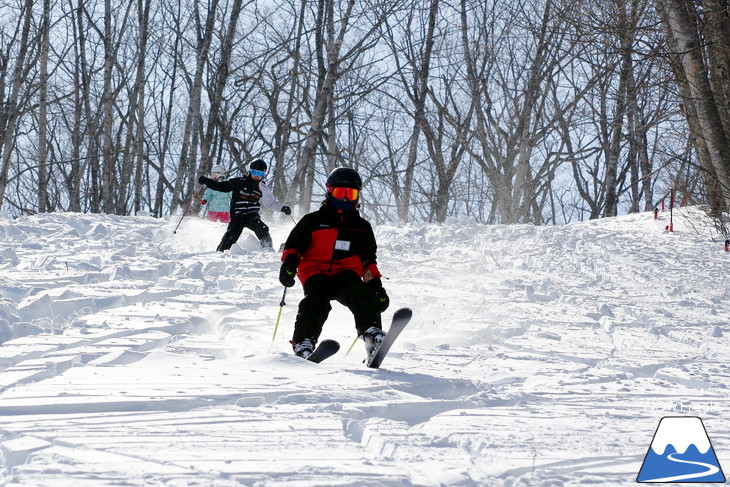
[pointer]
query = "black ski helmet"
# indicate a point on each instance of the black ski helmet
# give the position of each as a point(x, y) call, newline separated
point(344, 177)
point(257, 165)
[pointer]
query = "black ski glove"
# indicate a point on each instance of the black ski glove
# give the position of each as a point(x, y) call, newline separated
point(381, 297)
point(288, 270)
point(286, 210)
point(204, 180)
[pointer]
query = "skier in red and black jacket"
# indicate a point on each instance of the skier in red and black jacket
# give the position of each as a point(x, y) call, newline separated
point(333, 252)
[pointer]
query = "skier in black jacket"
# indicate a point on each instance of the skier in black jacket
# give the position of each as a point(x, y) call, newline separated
point(333, 252)
point(249, 192)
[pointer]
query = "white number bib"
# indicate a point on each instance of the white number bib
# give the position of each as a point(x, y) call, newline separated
point(342, 245)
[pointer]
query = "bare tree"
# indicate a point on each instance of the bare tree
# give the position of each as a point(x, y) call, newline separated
point(220, 79)
point(43, 203)
point(12, 110)
point(328, 46)
point(74, 174)
point(165, 104)
point(512, 111)
point(613, 131)
point(143, 19)
point(702, 100)
point(91, 115)
point(130, 172)
point(629, 99)
point(185, 174)
point(413, 75)
point(286, 126)
point(107, 106)
point(334, 58)
point(537, 111)
point(445, 150)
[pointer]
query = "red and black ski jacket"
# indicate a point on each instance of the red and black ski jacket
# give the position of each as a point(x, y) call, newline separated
point(330, 241)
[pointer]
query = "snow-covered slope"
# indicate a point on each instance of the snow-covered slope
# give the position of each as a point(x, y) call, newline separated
point(536, 356)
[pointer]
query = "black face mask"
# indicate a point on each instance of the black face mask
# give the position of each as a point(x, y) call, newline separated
point(343, 205)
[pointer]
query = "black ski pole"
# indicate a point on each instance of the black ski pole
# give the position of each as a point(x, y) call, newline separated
point(187, 209)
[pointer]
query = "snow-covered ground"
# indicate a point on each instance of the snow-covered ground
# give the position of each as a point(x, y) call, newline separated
point(536, 356)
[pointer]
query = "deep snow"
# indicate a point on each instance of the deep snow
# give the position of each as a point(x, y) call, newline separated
point(536, 356)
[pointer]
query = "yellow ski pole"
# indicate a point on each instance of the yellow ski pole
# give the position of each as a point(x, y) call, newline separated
point(281, 307)
point(353, 344)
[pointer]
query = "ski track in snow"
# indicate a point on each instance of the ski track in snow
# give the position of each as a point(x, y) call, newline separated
point(536, 356)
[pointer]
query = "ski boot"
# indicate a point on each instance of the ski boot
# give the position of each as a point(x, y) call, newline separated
point(373, 338)
point(303, 349)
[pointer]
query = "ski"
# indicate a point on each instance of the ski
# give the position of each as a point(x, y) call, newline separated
point(324, 350)
point(400, 320)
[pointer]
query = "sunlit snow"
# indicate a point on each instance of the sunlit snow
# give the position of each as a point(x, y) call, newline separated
point(543, 356)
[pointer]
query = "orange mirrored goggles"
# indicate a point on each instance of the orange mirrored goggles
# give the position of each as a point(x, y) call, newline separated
point(349, 194)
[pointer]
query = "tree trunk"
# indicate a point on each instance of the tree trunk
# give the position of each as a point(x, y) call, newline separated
point(135, 118)
point(12, 110)
point(683, 43)
point(91, 160)
point(486, 162)
point(522, 194)
point(73, 180)
point(143, 15)
point(304, 177)
point(614, 148)
point(420, 94)
point(220, 81)
point(128, 153)
point(284, 131)
point(107, 103)
point(332, 152)
point(717, 26)
point(162, 182)
point(43, 204)
point(188, 154)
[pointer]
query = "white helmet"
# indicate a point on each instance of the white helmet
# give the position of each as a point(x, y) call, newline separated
point(217, 169)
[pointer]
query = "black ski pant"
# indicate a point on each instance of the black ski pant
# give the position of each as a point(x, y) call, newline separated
point(345, 287)
point(238, 222)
